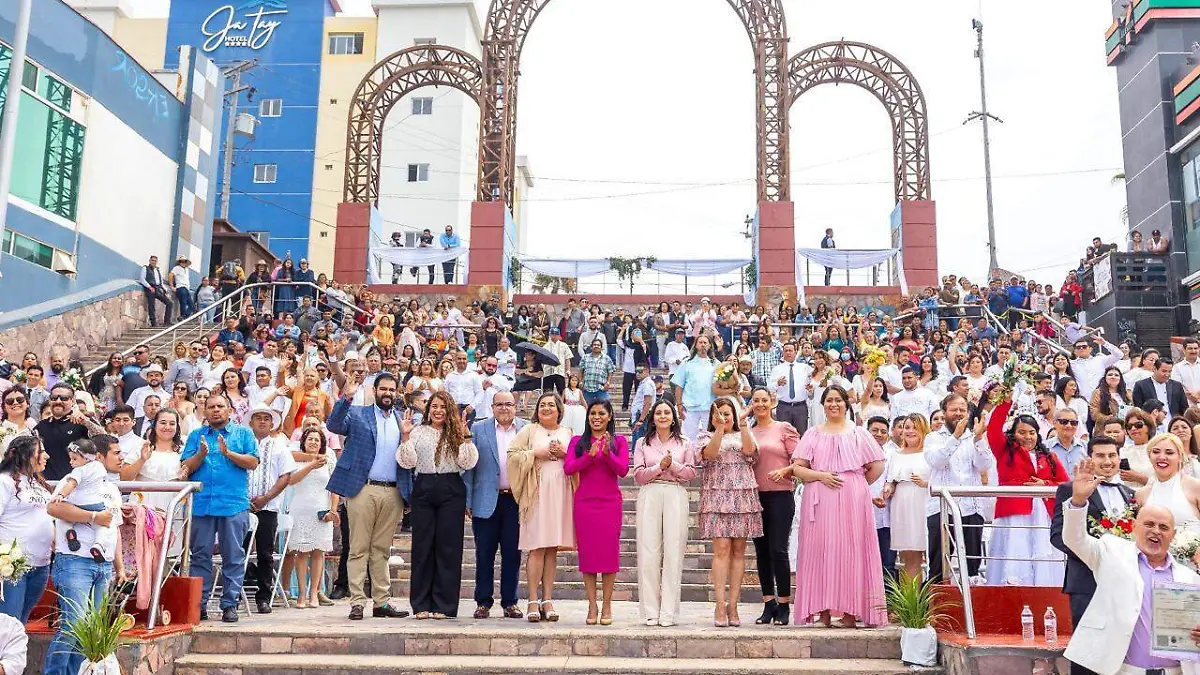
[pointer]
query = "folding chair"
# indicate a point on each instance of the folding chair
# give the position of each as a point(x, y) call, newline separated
point(283, 537)
point(218, 571)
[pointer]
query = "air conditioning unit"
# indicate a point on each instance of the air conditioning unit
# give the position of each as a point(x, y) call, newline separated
point(63, 262)
point(244, 125)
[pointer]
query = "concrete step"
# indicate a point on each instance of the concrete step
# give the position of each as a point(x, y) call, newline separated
point(691, 561)
point(573, 589)
point(339, 664)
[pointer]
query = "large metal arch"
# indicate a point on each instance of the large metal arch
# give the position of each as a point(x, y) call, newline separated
point(508, 24)
point(890, 81)
point(390, 80)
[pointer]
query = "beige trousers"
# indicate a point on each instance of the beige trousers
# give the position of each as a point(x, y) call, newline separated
point(662, 535)
point(374, 514)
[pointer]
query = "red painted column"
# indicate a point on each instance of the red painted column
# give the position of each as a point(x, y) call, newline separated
point(919, 231)
point(353, 240)
point(485, 270)
point(776, 251)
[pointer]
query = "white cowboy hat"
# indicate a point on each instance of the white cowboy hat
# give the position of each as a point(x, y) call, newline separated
point(276, 418)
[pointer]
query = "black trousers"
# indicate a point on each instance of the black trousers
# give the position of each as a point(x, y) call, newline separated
point(828, 275)
point(262, 572)
point(1079, 604)
point(771, 549)
point(439, 509)
point(500, 531)
point(160, 294)
point(972, 537)
point(448, 271)
point(886, 554)
point(628, 382)
point(795, 414)
point(342, 581)
point(556, 382)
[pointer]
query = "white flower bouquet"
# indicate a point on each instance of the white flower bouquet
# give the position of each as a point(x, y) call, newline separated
point(1185, 546)
point(13, 564)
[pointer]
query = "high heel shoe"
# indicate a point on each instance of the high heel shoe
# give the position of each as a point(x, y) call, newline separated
point(533, 613)
point(734, 620)
point(591, 616)
point(783, 614)
point(768, 615)
point(720, 618)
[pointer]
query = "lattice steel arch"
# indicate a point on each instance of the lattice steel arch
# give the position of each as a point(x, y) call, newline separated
point(889, 81)
point(508, 25)
point(378, 92)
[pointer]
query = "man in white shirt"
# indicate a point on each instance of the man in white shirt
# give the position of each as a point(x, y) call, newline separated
point(263, 394)
point(643, 401)
point(269, 358)
point(121, 425)
point(957, 456)
point(179, 279)
point(791, 381)
point(465, 386)
point(676, 351)
point(878, 428)
point(492, 382)
point(1089, 369)
point(556, 376)
point(154, 376)
point(506, 359)
point(890, 371)
point(267, 483)
point(1003, 354)
point(1187, 371)
point(913, 398)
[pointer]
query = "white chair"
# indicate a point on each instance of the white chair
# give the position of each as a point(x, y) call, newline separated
point(283, 537)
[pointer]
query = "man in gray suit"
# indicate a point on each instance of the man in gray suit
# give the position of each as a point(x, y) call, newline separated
point(495, 518)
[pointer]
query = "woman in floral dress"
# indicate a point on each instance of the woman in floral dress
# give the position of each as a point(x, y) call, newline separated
point(730, 512)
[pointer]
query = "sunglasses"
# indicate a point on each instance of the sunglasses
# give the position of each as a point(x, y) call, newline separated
point(15, 401)
point(140, 352)
point(60, 397)
point(1070, 423)
point(1137, 425)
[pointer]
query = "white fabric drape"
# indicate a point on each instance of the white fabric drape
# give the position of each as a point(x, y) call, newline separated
point(699, 267)
point(411, 257)
point(848, 259)
point(570, 269)
point(575, 269)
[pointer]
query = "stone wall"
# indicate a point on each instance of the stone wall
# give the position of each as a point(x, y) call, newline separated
point(144, 656)
point(81, 331)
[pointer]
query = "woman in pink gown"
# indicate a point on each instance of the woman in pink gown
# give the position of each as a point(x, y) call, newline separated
point(837, 564)
point(599, 457)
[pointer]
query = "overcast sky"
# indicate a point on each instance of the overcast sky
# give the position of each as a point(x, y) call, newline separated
point(626, 97)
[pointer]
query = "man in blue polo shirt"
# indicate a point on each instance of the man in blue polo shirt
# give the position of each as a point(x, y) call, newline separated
point(1018, 298)
point(220, 455)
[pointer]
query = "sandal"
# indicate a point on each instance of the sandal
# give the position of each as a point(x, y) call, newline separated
point(606, 617)
point(591, 616)
point(533, 612)
point(548, 613)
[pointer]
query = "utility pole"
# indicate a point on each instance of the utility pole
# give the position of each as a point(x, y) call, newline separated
point(12, 105)
point(984, 116)
point(234, 72)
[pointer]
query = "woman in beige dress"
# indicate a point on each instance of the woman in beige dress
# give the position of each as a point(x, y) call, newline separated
point(544, 494)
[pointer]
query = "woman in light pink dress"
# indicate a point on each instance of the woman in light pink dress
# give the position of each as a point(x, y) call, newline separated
point(838, 568)
point(544, 494)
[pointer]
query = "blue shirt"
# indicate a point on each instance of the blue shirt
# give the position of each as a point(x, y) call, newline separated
point(226, 336)
point(1017, 295)
point(387, 440)
point(1070, 456)
point(448, 240)
point(695, 377)
point(226, 485)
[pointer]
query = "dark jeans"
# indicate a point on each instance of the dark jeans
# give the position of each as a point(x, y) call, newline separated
point(439, 507)
point(828, 275)
point(771, 549)
point(262, 573)
point(628, 384)
point(342, 581)
point(884, 535)
point(187, 305)
point(160, 294)
point(501, 531)
point(22, 595)
point(448, 271)
point(972, 537)
point(795, 414)
point(556, 382)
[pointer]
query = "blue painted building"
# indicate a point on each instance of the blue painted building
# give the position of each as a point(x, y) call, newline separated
point(101, 164)
point(271, 186)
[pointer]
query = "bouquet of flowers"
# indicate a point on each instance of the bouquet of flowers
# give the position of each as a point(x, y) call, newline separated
point(1185, 546)
point(13, 564)
point(7, 431)
point(725, 372)
point(18, 376)
point(1014, 371)
point(871, 358)
point(74, 378)
point(1118, 525)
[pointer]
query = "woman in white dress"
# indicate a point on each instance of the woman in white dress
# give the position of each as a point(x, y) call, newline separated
point(157, 461)
point(875, 402)
point(827, 370)
point(907, 491)
point(212, 370)
point(975, 377)
point(1170, 487)
point(314, 515)
point(575, 417)
point(196, 420)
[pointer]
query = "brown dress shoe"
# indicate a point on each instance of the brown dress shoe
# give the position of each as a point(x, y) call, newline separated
point(482, 612)
point(511, 612)
point(356, 613)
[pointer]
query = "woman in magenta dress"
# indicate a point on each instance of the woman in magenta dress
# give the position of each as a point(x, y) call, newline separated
point(599, 456)
point(838, 567)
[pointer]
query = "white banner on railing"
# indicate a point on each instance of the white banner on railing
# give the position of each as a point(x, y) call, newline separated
point(411, 257)
point(848, 259)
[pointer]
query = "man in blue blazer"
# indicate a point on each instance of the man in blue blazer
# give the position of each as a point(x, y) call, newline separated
point(373, 486)
point(495, 518)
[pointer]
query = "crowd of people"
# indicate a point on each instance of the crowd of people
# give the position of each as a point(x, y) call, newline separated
point(814, 433)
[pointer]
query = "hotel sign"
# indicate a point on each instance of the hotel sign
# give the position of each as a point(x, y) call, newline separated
point(249, 26)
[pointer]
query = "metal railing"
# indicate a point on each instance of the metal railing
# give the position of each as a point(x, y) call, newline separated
point(957, 562)
point(881, 274)
point(183, 490)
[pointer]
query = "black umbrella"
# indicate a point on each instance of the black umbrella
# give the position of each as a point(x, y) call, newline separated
point(544, 357)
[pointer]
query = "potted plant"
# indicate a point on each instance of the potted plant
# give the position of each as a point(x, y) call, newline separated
point(919, 609)
point(96, 634)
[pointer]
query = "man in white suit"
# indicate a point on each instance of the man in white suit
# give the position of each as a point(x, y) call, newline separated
point(1113, 636)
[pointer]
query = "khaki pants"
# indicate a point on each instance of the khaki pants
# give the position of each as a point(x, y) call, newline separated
point(374, 514)
point(662, 535)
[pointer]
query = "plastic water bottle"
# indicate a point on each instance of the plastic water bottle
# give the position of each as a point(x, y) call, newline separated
point(1027, 624)
point(1050, 621)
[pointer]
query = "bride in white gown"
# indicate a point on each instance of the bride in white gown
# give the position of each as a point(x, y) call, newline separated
point(1170, 487)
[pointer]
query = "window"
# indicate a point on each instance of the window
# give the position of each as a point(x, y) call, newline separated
point(31, 250)
point(270, 107)
point(30, 76)
point(422, 106)
point(56, 92)
point(420, 42)
point(418, 173)
point(345, 43)
point(265, 173)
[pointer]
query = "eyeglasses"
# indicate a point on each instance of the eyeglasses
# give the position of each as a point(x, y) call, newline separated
point(1137, 425)
point(60, 397)
point(140, 352)
point(182, 387)
point(15, 401)
point(504, 405)
point(1081, 346)
point(1070, 423)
